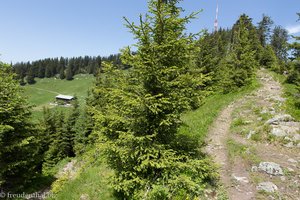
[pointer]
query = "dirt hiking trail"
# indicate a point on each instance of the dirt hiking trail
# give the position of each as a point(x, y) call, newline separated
point(257, 145)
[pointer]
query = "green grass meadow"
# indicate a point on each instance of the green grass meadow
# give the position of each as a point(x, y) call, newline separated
point(43, 92)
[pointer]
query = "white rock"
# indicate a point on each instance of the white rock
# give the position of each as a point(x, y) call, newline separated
point(240, 179)
point(250, 134)
point(267, 186)
point(272, 112)
point(292, 160)
point(290, 169)
point(84, 197)
point(263, 111)
point(254, 169)
point(280, 118)
point(270, 168)
point(288, 138)
point(296, 137)
point(290, 128)
point(280, 99)
point(289, 145)
point(278, 132)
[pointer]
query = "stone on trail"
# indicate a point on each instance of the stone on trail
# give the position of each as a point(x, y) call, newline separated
point(84, 197)
point(296, 137)
point(254, 169)
point(280, 118)
point(290, 169)
point(240, 179)
point(282, 178)
point(291, 128)
point(279, 99)
point(267, 186)
point(278, 132)
point(289, 145)
point(291, 160)
point(250, 134)
point(270, 168)
point(287, 138)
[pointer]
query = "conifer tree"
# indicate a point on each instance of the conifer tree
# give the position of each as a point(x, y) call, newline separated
point(269, 59)
point(241, 62)
point(69, 128)
point(48, 71)
point(91, 67)
point(137, 114)
point(294, 76)
point(61, 64)
point(62, 73)
point(264, 29)
point(22, 82)
point(207, 58)
point(59, 135)
point(18, 137)
point(41, 71)
point(48, 129)
point(213, 48)
point(279, 42)
point(59, 146)
point(69, 73)
point(30, 77)
point(83, 128)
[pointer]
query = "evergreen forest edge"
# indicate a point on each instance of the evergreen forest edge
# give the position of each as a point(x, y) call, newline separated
point(132, 114)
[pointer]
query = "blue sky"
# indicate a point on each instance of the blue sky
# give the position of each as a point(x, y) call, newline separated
point(35, 29)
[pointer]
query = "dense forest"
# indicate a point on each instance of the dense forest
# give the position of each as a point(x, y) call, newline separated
point(62, 68)
point(132, 115)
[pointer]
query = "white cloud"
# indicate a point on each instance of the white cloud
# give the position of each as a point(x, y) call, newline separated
point(293, 29)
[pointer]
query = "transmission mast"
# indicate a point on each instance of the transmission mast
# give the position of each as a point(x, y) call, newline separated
point(216, 19)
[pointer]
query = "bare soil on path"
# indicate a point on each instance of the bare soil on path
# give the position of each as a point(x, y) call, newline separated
point(244, 137)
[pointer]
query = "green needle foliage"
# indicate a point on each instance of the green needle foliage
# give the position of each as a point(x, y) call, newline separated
point(59, 133)
point(18, 138)
point(294, 76)
point(269, 59)
point(137, 112)
point(242, 60)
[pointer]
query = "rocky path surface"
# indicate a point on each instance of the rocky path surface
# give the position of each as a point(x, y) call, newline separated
point(257, 146)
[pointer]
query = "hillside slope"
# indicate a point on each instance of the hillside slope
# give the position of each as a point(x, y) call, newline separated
point(43, 92)
point(256, 145)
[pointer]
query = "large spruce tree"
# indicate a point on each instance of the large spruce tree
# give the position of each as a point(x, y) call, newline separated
point(30, 77)
point(213, 48)
point(137, 113)
point(18, 137)
point(294, 76)
point(242, 60)
point(264, 30)
point(279, 42)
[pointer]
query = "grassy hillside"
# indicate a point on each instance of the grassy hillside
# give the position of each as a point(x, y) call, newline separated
point(43, 92)
point(93, 183)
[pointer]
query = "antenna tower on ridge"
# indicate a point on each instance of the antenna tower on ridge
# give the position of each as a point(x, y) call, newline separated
point(216, 20)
